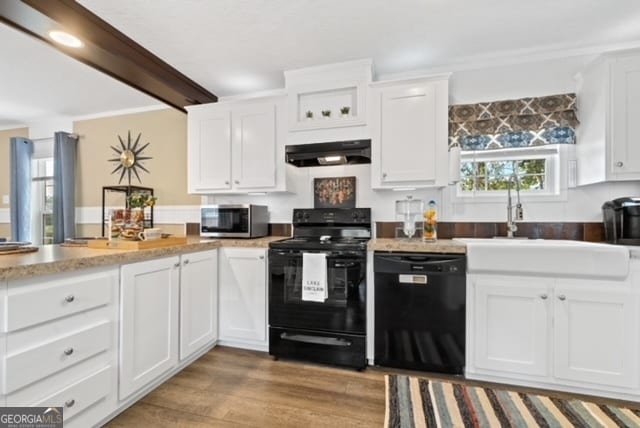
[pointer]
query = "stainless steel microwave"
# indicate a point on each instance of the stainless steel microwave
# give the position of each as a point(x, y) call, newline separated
point(234, 221)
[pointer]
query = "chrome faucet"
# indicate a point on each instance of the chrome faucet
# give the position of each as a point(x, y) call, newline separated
point(511, 225)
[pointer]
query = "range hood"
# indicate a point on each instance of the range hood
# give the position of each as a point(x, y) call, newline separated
point(327, 154)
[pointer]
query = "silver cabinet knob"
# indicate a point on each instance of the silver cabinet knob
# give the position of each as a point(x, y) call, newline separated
point(226, 182)
point(261, 257)
point(70, 403)
point(70, 298)
point(384, 175)
point(176, 265)
point(186, 262)
point(562, 297)
point(543, 296)
point(236, 181)
point(619, 164)
point(68, 351)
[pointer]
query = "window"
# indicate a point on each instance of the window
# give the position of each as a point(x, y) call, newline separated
point(487, 173)
point(42, 192)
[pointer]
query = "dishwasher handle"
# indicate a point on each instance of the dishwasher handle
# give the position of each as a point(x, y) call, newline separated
point(410, 263)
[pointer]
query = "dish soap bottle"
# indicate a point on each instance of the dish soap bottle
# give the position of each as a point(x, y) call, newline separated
point(431, 222)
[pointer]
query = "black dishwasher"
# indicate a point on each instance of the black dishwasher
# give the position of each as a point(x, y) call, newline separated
point(420, 311)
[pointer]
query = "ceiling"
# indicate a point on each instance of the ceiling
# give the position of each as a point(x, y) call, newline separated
point(40, 83)
point(237, 46)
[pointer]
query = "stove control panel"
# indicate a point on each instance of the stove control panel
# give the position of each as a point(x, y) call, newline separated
point(329, 216)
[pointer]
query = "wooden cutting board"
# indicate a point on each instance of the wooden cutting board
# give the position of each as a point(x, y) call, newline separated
point(20, 250)
point(122, 244)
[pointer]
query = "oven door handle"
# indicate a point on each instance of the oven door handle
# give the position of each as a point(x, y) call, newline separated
point(319, 340)
point(344, 265)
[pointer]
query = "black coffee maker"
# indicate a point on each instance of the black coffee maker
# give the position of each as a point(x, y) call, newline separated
point(622, 221)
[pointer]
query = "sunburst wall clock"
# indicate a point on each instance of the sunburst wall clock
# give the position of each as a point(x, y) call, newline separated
point(129, 157)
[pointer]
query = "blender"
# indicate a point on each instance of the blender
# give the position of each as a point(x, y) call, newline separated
point(409, 211)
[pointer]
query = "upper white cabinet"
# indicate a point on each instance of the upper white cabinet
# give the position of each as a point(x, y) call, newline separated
point(198, 301)
point(328, 96)
point(237, 147)
point(149, 323)
point(409, 133)
point(608, 108)
point(243, 297)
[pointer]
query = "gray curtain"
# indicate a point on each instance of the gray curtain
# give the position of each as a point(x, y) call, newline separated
point(65, 148)
point(21, 152)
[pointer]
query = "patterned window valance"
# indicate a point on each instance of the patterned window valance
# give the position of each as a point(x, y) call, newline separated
point(514, 123)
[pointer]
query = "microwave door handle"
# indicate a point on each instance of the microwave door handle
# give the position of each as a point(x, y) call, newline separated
point(344, 265)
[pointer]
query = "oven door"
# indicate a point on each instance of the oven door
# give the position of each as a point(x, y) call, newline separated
point(343, 311)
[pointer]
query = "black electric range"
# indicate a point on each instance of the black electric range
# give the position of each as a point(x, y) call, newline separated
point(331, 331)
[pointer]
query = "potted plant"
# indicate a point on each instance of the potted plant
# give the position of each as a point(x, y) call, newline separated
point(345, 111)
point(326, 114)
point(137, 202)
point(309, 115)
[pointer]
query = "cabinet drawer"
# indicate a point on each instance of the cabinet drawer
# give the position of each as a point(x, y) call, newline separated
point(32, 302)
point(81, 394)
point(23, 368)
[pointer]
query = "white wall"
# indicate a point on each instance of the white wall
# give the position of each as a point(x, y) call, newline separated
point(487, 84)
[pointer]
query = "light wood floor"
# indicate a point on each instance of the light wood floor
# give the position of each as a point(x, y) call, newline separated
point(230, 387)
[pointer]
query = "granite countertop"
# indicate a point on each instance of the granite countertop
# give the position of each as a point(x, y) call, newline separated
point(51, 259)
point(416, 245)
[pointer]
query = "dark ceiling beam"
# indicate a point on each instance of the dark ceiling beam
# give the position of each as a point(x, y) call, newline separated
point(105, 49)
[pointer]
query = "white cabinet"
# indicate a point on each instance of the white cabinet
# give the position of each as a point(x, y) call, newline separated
point(595, 335)
point(198, 301)
point(410, 131)
point(237, 147)
point(556, 333)
point(609, 107)
point(243, 297)
point(149, 322)
point(512, 324)
point(58, 343)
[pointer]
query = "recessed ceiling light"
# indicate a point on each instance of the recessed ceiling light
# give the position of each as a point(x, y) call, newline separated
point(66, 39)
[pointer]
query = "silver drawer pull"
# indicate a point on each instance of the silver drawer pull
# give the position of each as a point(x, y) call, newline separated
point(619, 164)
point(186, 262)
point(543, 296)
point(70, 298)
point(176, 265)
point(68, 351)
point(562, 297)
point(70, 403)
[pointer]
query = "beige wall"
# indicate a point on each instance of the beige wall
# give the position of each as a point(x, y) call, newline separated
point(166, 130)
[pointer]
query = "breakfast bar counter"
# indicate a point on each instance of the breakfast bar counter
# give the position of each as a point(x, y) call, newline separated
point(51, 259)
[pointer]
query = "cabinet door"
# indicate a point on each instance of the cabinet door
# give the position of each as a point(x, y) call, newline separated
point(209, 145)
point(243, 295)
point(512, 324)
point(149, 322)
point(595, 335)
point(254, 146)
point(625, 150)
point(412, 135)
point(198, 301)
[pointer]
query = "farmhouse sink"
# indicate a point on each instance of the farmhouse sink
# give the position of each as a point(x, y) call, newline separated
point(546, 257)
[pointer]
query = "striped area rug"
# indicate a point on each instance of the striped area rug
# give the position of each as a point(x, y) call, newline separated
point(415, 402)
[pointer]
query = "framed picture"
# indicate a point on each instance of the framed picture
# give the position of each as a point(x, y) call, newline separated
point(334, 192)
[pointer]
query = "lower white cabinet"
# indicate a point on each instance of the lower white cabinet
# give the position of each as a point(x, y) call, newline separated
point(512, 324)
point(595, 335)
point(198, 301)
point(243, 297)
point(149, 321)
point(554, 332)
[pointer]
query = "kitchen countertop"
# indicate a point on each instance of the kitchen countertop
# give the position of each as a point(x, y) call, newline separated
point(51, 259)
point(416, 245)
